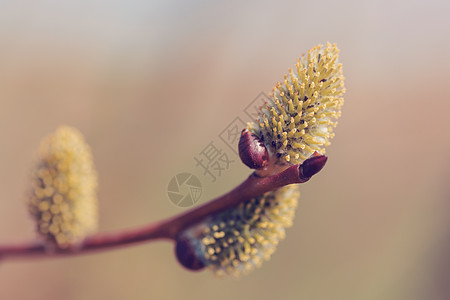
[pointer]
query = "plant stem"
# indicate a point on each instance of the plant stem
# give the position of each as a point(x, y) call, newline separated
point(169, 229)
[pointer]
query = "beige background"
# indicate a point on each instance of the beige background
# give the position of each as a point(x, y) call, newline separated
point(150, 84)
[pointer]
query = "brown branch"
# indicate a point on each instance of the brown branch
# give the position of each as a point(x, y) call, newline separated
point(252, 187)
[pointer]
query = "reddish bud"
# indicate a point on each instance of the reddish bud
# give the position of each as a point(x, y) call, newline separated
point(252, 150)
point(186, 254)
point(312, 165)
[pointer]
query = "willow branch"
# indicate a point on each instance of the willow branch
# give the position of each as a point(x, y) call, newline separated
point(168, 229)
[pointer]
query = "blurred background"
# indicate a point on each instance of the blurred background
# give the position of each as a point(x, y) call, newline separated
point(151, 83)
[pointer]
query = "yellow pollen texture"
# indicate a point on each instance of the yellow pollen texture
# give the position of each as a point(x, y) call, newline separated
point(302, 110)
point(239, 239)
point(63, 198)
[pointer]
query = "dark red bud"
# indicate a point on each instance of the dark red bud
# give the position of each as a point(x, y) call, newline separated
point(186, 255)
point(252, 150)
point(312, 165)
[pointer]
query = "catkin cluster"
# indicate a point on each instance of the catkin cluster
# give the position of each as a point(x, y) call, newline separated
point(297, 121)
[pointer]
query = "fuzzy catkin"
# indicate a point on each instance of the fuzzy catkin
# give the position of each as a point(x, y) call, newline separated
point(239, 239)
point(63, 201)
point(302, 110)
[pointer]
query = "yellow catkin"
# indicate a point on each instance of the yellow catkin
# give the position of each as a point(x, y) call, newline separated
point(303, 108)
point(239, 239)
point(63, 199)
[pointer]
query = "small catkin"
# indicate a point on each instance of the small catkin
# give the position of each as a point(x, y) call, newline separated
point(302, 110)
point(239, 239)
point(63, 199)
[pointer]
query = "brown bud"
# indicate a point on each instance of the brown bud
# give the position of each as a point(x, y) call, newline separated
point(312, 165)
point(186, 254)
point(252, 150)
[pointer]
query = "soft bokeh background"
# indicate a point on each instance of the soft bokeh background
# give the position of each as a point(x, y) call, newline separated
point(151, 83)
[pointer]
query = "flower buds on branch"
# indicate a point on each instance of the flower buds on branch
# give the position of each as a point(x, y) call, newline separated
point(231, 234)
